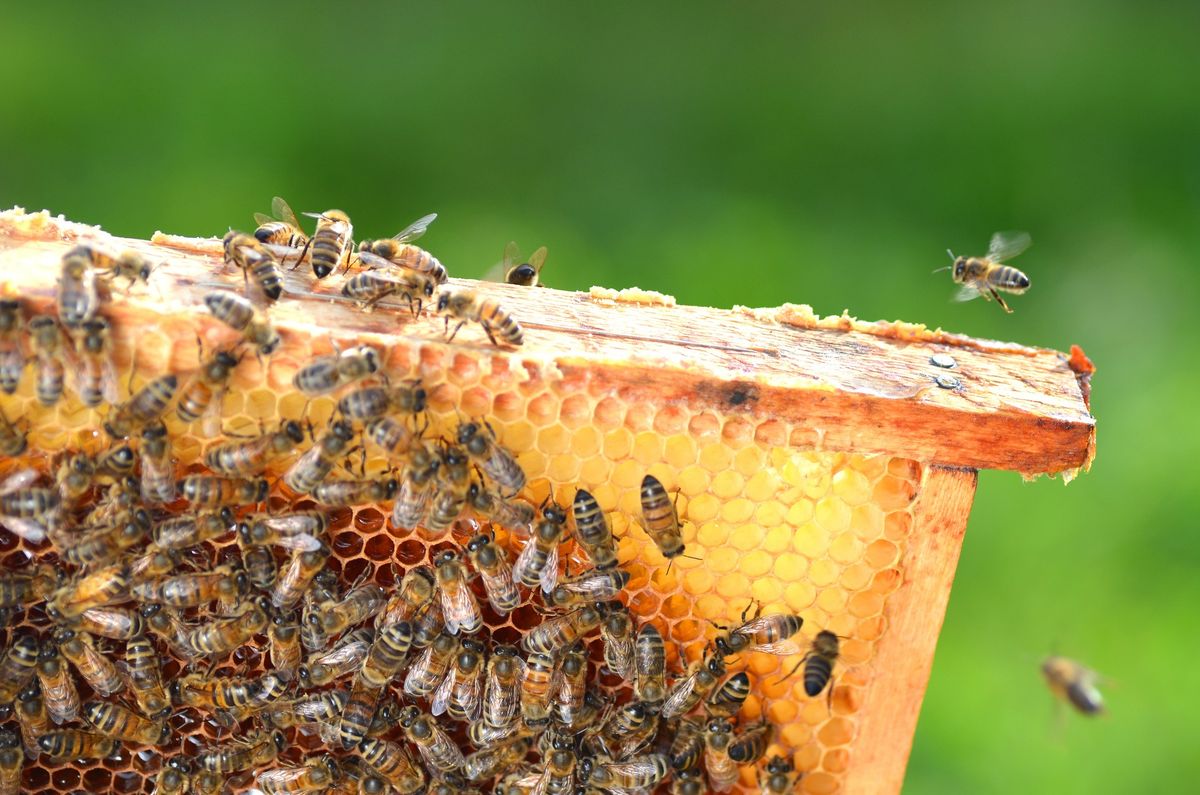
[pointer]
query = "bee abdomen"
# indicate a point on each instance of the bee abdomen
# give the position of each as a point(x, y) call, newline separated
point(1010, 279)
point(816, 675)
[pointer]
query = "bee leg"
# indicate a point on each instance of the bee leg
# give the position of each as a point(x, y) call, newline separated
point(790, 673)
point(300, 258)
point(456, 328)
point(491, 336)
point(999, 300)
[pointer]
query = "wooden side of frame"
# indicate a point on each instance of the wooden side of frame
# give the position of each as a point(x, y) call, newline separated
point(914, 615)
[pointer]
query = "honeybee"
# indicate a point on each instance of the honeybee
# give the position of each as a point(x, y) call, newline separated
point(68, 744)
point(398, 251)
point(502, 683)
point(440, 753)
point(370, 287)
point(688, 782)
point(819, 662)
point(255, 261)
point(12, 357)
point(94, 376)
point(97, 670)
point(323, 706)
point(194, 589)
point(211, 491)
point(332, 244)
point(618, 636)
point(32, 717)
point(113, 720)
point(687, 745)
point(181, 532)
point(659, 519)
point(240, 315)
point(488, 454)
point(203, 395)
point(158, 468)
point(57, 685)
point(536, 689)
point(283, 229)
point(145, 678)
point(393, 436)
point(1069, 681)
point(416, 487)
point(561, 631)
point(48, 348)
point(750, 744)
point(339, 661)
point(299, 530)
point(571, 686)
point(223, 635)
point(27, 510)
point(206, 782)
point(251, 457)
point(316, 464)
point(359, 603)
point(295, 579)
point(721, 768)
point(638, 773)
point(256, 751)
point(259, 563)
point(103, 545)
point(453, 481)
point(316, 775)
point(468, 306)
point(983, 276)
point(624, 731)
point(105, 586)
point(394, 764)
point(489, 762)
point(558, 767)
point(12, 438)
point(370, 403)
point(145, 406)
point(491, 561)
point(701, 681)
point(78, 299)
point(174, 778)
point(165, 624)
point(428, 671)
point(427, 625)
point(649, 659)
point(128, 265)
point(729, 697)
point(11, 762)
point(587, 586)
point(525, 273)
point(538, 561)
point(387, 654)
point(355, 492)
point(496, 509)
point(592, 531)
point(406, 602)
point(226, 693)
point(764, 634)
point(116, 623)
point(460, 692)
point(459, 607)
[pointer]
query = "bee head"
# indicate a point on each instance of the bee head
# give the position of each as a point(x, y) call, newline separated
point(443, 301)
point(960, 268)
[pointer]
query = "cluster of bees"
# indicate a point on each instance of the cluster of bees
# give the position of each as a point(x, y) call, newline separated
point(403, 685)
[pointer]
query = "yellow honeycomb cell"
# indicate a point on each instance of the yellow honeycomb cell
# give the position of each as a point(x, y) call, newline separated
point(728, 484)
point(746, 537)
point(777, 539)
point(846, 548)
point(715, 457)
point(762, 485)
point(737, 510)
point(680, 451)
point(823, 572)
point(647, 448)
point(766, 589)
point(703, 508)
point(800, 513)
point(628, 474)
point(756, 563)
point(554, 440)
point(617, 444)
point(851, 487)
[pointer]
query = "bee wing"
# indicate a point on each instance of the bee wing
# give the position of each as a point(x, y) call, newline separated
point(641, 767)
point(549, 576)
point(470, 701)
point(283, 212)
point(677, 699)
point(1006, 245)
point(783, 648)
point(458, 607)
point(278, 251)
point(28, 529)
point(500, 588)
point(211, 424)
point(967, 292)
point(441, 696)
point(262, 219)
point(301, 542)
point(277, 780)
point(523, 561)
point(373, 260)
point(18, 480)
point(499, 271)
point(415, 229)
point(538, 258)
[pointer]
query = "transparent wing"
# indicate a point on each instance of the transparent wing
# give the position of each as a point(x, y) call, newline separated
point(468, 698)
point(372, 261)
point(415, 229)
point(549, 576)
point(262, 219)
point(276, 780)
point(301, 542)
point(210, 424)
point(967, 292)
point(511, 252)
point(418, 670)
point(441, 696)
point(283, 212)
point(1006, 245)
point(18, 480)
point(108, 382)
point(523, 561)
point(459, 608)
point(781, 647)
point(677, 700)
point(538, 258)
point(27, 529)
point(500, 589)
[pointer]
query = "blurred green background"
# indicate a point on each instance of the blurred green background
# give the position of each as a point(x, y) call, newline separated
point(748, 153)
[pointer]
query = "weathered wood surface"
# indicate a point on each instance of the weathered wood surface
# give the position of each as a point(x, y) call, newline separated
point(914, 615)
point(1007, 407)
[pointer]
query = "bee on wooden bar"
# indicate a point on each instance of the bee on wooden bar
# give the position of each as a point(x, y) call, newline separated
point(487, 453)
point(255, 261)
point(78, 299)
point(283, 229)
point(370, 287)
point(12, 439)
point(491, 561)
point(984, 276)
point(97, 670)
point(48, 364)
point(326, 374)
point(158, 467)
point(12, 354)
point(128, 265)
point(332, 244)
point(210, 491)
point(68, 744)
point(398, 251)
point(538, 561)
point(94, 375)
point(57, 684)
point(252, 456)
point(468, 306)
point(317, 774)
point(524, 273)
point(203, 395)
point(145, 406)
point(240, 315)
point(1071, 682)
point(119, 723)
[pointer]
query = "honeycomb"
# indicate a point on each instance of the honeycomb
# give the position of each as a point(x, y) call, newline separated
point(765, 522)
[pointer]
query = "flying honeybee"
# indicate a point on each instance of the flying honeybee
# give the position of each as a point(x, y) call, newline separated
point(49, 352)
point(78, 299)
point(317, 774)
point(255, 261)
point(487, 453)
point(158, 467)
point(145, 406)
point(397, 250)
point(526, 273)
point(283, 229)
point(12, 355)
point(491, 561)
point(538, 561)
point(240, 315)
point(203, 395)
point(469, 306)
point(326, 374)
point(984, 276)
point(1074, 683)
point(94, 376)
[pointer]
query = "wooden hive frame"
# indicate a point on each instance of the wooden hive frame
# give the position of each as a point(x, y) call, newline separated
point(777, 382)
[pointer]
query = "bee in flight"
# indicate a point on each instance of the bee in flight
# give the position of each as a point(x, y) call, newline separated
point(1074, 683)
point(984, 276)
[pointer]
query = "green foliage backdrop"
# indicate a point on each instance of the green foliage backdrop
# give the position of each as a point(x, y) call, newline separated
point(748, 153)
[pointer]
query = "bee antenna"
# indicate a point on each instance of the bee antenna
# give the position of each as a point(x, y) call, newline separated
point(951, 253)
